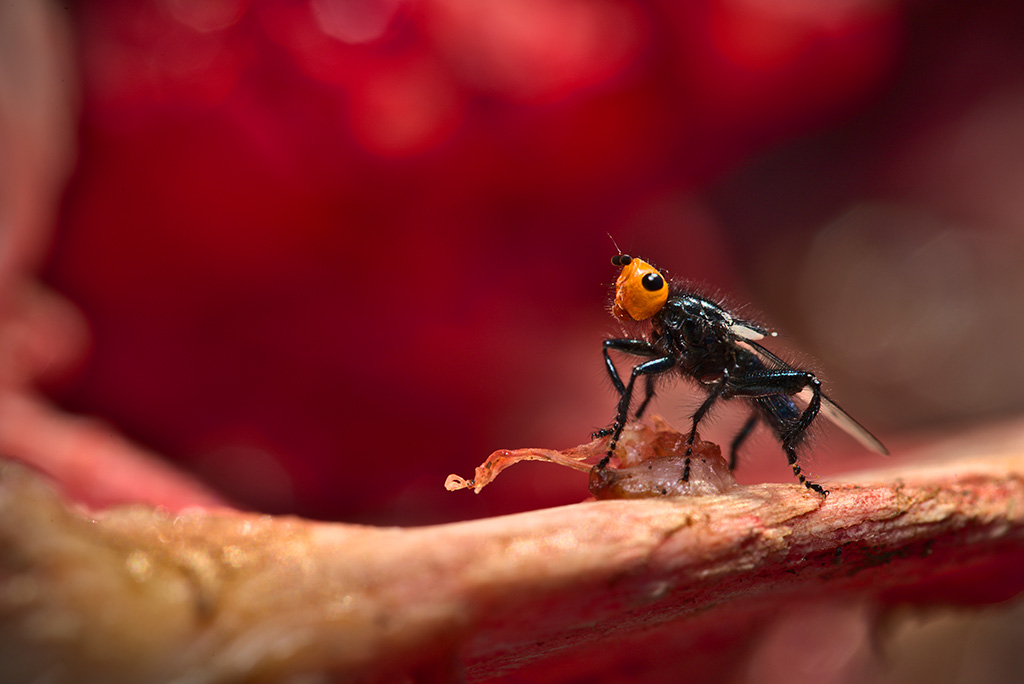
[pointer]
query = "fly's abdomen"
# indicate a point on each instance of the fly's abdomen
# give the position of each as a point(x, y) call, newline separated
point(779, 411)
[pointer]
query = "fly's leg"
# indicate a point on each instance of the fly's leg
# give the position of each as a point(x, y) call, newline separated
point(629, 346)
point(648, 395)
point(654, 366)
point(790, 428)
point(716, 393)
point(741, 436)
point(792, 436)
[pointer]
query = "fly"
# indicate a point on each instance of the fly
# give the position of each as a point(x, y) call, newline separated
point(701, 340)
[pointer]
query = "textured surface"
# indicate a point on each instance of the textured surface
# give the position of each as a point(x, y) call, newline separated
point(138, 594)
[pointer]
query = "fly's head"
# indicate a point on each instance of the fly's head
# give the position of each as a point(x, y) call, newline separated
point(640, 290)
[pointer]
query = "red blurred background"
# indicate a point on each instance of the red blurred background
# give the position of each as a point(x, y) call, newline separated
point(330, 252)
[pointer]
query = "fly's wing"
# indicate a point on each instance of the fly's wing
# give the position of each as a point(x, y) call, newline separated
point(843, 419)
point(745, 330)
point(829, 408)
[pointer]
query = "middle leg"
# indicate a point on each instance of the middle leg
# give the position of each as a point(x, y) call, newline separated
point(741, 436)
point(717, 392)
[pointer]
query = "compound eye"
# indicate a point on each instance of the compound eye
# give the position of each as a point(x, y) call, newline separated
point(653, 282)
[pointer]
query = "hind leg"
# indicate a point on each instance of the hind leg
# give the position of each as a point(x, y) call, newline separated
point(771, 390)
point(793, 436)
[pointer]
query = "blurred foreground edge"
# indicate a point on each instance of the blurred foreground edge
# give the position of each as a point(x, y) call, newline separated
point(140, 594)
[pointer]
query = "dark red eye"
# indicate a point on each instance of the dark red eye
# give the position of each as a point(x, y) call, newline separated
point(653, 282)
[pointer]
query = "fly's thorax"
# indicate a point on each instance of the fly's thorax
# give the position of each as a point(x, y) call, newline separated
point(673, 315)
point(687, 327)
point(706, 309)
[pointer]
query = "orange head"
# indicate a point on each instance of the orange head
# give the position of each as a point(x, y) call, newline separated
point(640, 290)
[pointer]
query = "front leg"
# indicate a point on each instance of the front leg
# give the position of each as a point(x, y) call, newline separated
point(627, 346)
point(648, 395)
point(660, 364)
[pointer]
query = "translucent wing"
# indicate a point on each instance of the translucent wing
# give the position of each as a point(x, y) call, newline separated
point(829, 408)
point(749, 331)
point(843, 419)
